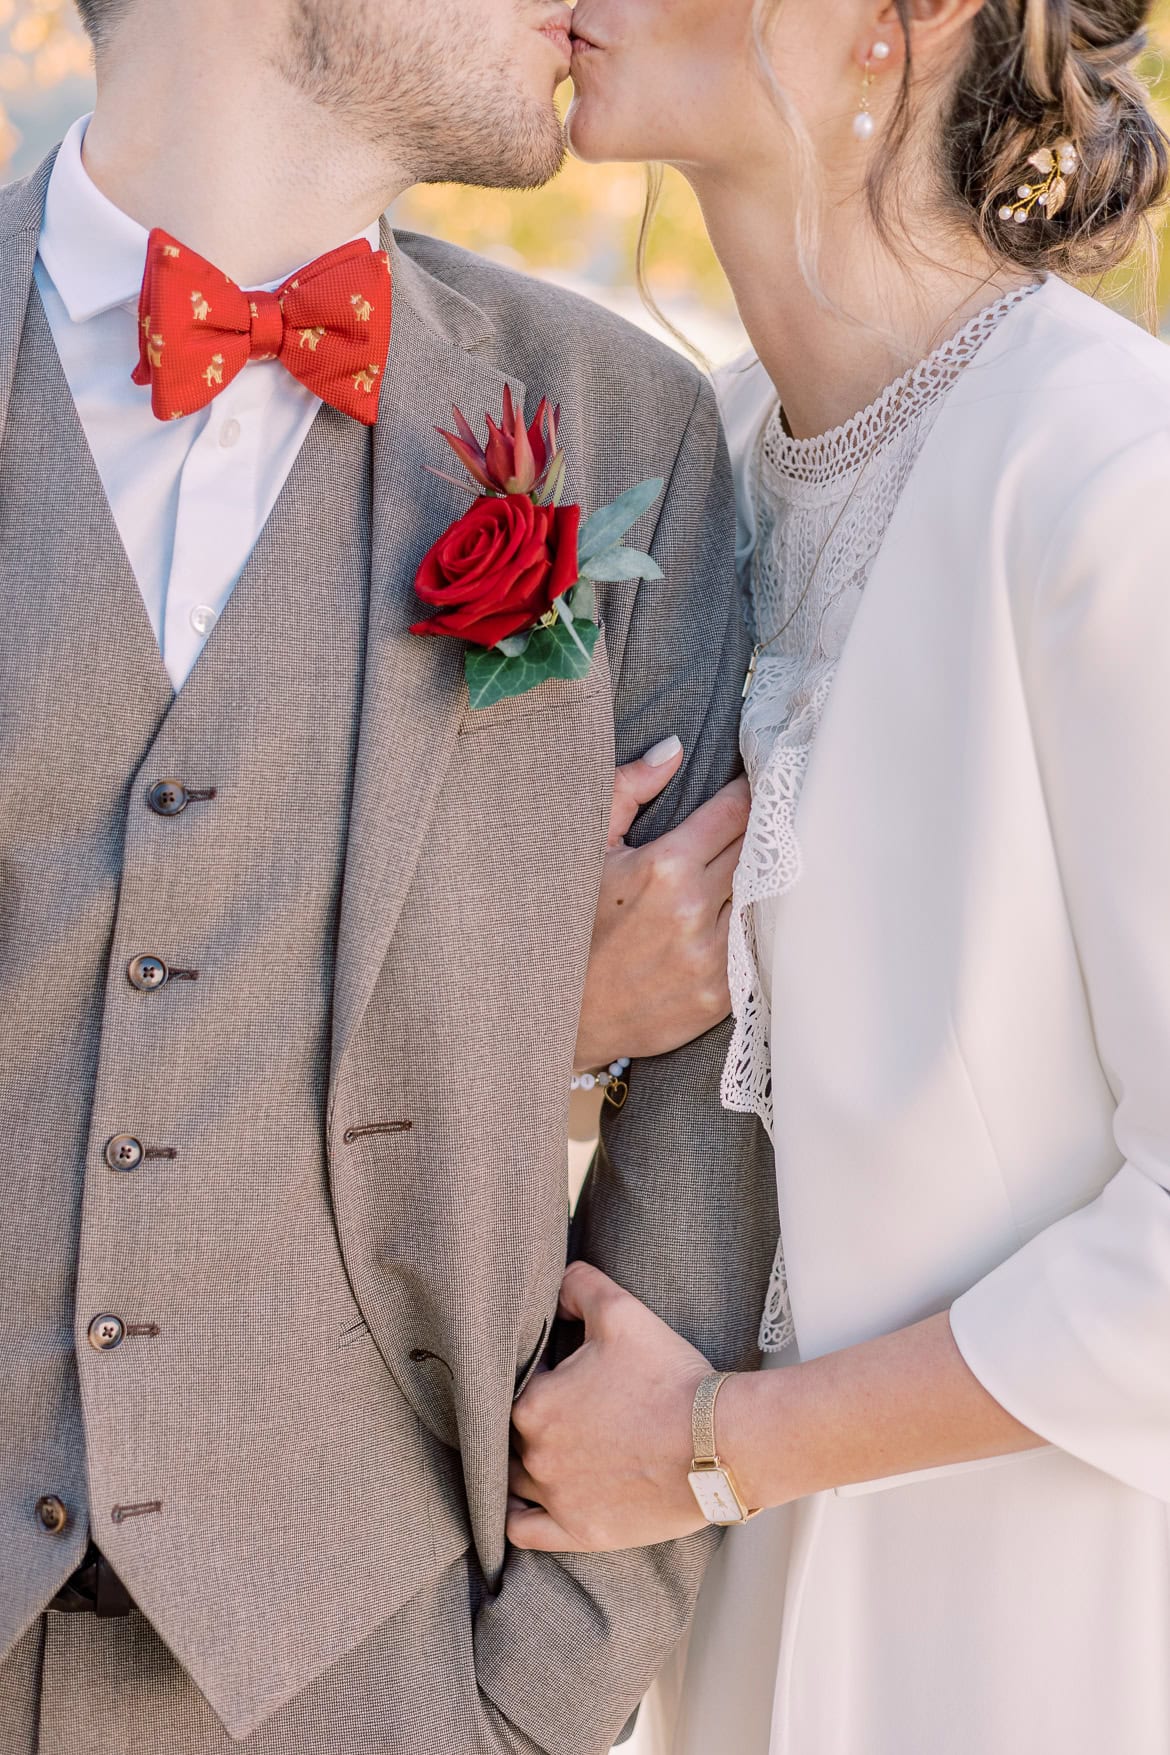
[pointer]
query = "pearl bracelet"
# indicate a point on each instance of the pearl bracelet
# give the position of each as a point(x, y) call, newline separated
point(610, 1081)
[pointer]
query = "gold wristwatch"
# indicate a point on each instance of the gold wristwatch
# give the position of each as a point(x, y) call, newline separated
point(712, 1482)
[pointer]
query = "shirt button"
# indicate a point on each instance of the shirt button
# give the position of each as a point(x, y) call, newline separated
point(203, 618)
point(147, 973)
point(123, 1152)
point(52, 1514)
point(167, 798)
point(106, 1333)
point(229, 434)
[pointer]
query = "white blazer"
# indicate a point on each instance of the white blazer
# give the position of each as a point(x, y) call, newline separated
point(971, 1030)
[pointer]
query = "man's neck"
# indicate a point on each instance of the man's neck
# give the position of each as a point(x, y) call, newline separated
point(232, 160)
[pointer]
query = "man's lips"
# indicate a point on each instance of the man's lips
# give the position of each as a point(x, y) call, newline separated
point(558, 35)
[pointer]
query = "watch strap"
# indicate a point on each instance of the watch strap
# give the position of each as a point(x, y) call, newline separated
point(703, 1418)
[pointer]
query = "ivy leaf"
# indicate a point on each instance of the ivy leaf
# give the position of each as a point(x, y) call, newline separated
point(557, 652)
point(622, 563)
point(605, 529)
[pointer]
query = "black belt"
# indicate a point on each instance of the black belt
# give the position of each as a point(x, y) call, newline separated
point(94, 1589)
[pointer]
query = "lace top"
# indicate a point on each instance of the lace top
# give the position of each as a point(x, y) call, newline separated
point(822, 508)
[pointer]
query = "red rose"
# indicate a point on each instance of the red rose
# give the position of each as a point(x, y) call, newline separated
point(499, 569)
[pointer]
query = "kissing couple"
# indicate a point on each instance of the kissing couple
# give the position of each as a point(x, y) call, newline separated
point(319, 890)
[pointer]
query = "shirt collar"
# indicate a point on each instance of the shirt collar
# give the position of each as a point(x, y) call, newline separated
point(94, 253)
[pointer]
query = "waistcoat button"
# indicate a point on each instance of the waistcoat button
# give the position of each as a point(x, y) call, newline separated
point(106, 1333)
point(123, 1152)
point(147, 973)
point(51, 1514)
point(167, 798)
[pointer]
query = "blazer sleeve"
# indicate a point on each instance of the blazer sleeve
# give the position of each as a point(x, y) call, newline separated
point(1072, 1334)
point(680, 1206)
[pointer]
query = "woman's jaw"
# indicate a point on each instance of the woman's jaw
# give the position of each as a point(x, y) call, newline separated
point(659, 80)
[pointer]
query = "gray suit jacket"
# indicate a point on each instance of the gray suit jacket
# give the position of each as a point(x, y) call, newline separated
point(475, 851)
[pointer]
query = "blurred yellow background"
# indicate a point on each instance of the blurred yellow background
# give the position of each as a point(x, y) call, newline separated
point(581, 230)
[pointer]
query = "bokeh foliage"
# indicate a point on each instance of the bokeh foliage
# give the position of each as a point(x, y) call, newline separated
point(41, 44)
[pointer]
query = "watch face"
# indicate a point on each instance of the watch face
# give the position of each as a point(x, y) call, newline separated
point(716, 1496)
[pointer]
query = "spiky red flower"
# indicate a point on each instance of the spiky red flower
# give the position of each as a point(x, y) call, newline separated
point(516, 458)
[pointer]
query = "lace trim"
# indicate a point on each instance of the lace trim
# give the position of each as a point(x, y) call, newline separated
point(830, 457)
point(823, 508)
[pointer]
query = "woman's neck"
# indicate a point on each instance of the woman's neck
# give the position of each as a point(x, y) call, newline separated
point(878, 311)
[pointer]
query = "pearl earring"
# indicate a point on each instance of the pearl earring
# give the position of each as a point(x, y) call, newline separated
point(864, 126)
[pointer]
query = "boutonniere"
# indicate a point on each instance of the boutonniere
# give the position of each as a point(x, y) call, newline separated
point(515, 576)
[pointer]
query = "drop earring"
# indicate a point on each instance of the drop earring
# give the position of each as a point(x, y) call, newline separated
point(864, 126)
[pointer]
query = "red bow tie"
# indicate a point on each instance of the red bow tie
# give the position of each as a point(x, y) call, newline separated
point(329, 325)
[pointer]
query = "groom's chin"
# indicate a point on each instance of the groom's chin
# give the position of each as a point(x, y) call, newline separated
point(529, 159)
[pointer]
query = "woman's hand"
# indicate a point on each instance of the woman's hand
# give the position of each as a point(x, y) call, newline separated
point(603, 1443)
point(658, 965)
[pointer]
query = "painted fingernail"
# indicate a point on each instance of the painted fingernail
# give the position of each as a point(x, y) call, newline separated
point(663, 752)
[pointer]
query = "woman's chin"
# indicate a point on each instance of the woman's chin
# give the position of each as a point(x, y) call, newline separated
point(593, 138)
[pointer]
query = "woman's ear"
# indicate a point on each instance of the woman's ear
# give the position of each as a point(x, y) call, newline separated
point(934, 25)
point(881, 44)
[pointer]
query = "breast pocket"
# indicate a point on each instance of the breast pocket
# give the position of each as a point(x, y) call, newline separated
point(557, 698)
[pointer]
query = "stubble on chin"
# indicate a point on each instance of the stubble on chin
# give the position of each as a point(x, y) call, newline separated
point(405, 81)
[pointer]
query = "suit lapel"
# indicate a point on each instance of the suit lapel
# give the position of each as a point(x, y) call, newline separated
point(414, 691)
point(22, 207)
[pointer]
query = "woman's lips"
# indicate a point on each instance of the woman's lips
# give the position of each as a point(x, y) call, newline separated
point(581, 42)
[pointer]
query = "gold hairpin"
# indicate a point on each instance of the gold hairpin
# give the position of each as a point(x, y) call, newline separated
point(1056, 165)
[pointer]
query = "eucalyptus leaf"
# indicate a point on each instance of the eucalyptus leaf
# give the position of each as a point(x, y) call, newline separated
point(551, 652)
point(605, 529)
point(516, 645)
point(622, 563)
point(562, 608)
point(584, 601)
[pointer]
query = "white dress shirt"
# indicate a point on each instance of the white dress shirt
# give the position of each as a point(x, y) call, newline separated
point(191, 497)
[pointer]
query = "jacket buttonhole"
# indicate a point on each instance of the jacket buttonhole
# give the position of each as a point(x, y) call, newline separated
point(352, 1134)
point(421, 1356)
point(120, 1513)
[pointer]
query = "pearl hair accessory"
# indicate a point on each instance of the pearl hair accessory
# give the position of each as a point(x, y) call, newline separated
point(610, 1081)
point(1056, 165)
point(864, 126)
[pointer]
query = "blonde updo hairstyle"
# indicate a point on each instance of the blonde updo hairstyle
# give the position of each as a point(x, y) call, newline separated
point(1038, 72)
